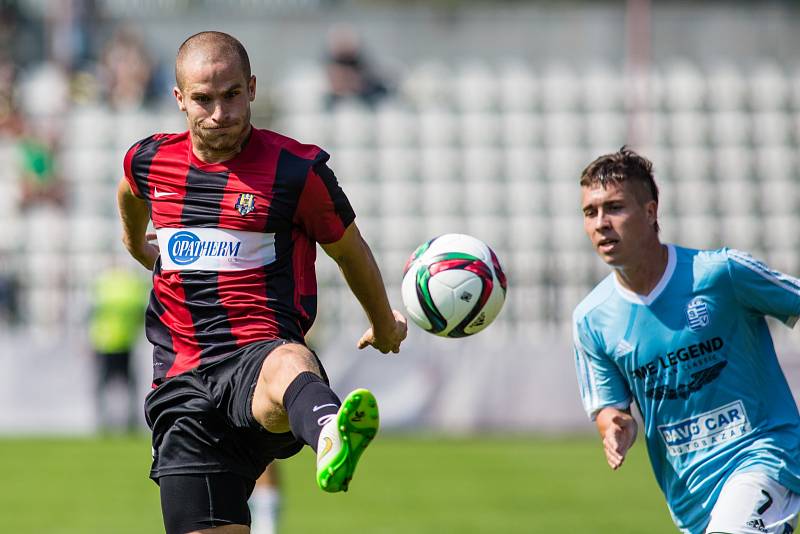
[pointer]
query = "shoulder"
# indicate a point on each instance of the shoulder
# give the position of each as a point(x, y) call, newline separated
point(302, 151)
point(153, 142)
point(600, 295)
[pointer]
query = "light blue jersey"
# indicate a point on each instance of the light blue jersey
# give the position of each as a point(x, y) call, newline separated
point(697, 358)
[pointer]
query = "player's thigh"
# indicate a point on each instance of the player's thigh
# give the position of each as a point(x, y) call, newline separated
point(214, 502)
point(753, 503)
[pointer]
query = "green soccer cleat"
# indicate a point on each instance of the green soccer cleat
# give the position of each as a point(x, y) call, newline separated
point(344, 438)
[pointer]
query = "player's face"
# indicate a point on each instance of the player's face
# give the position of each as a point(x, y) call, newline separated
point(618, 223)
point(216, 97)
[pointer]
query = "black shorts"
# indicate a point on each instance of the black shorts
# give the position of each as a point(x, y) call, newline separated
point(202, 420)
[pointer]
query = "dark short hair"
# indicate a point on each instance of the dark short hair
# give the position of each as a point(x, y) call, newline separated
point(226, 44)
point(623, 166)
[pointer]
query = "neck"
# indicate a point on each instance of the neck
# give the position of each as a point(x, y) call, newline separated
point(642, 277)
point(209, 155)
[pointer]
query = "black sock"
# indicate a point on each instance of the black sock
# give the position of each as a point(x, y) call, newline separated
point(309, 402)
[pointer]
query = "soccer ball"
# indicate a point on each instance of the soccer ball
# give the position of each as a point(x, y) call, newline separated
point(453, 285)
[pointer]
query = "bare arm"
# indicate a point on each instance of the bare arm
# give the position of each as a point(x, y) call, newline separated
point(135, 216)
point(618, 429)
point(359, 268)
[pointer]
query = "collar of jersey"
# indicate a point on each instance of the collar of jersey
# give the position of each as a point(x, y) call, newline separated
point(648, 299)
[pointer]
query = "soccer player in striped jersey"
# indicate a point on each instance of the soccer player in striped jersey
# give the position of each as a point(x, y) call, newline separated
point(682, 333)
point(238, 212)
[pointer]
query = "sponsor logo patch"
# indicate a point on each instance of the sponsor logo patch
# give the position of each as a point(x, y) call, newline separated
point(185, 248)
point(706, 430)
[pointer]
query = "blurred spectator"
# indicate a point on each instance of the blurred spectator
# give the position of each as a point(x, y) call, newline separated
point(39, 179)
point(350, 75)
point(115, 326)
point(127, 70)
point(9, 293)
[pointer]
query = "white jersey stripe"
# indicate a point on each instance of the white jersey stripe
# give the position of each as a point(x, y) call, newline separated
point(786, 282)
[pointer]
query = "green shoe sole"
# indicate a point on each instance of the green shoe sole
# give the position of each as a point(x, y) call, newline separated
point(357, 423)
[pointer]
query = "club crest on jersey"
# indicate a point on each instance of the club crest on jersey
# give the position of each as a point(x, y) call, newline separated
point(246, 203)
point(697, 314)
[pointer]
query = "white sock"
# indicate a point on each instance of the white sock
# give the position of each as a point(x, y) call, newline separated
point(264, 506)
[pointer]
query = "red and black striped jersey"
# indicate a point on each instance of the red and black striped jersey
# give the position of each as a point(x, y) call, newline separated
point(237, 241)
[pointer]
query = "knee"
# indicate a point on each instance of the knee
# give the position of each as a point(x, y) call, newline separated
point(282, 366)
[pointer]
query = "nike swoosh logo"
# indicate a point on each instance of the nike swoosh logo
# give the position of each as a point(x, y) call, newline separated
point(327, 448)
point(159, 194)
point(318, 408)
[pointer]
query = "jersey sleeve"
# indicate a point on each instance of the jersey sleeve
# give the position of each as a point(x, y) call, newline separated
point(127, 165)
point(763, 290)
point(600, 381)
point(323, 210)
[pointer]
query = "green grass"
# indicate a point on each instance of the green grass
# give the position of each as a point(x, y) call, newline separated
point(405, 484)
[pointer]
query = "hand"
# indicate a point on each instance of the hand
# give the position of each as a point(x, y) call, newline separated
point(147, 253)
point(618, 439)
point(390, 341)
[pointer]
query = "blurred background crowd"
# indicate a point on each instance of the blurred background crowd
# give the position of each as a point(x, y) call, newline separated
point(443, 116)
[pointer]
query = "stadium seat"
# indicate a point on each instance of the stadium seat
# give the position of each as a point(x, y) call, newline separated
point(776, 162)
point(529, 306)
point(603, 89)
point(688, 128)
point(524, 164)
point(771, 128)
point(605, 131)
point(480, 129)
point(562, 129)
point(530, 232)
point(741, 231)
point(729, 128)
point(564, 197)
point(88, 127)
point(363, 195)
point(311, 127)
point(443, 164)
point(396, 126)
point(399, 198)
point(491, 229)
point(88, 233)
point(526, 268)
point(303, 89)
point(648, 128)
point(353, 126)
point(482, 165)
point(526, 197)
point(428, 85)
point(690, 163)
point(769, 87)
point(442, 197)
point(560, 88)
point(484, 197)
point(403, 164)
point(566, 163)
point(434, 225)
point(353, 165)
point(694, 197)
point(520, 129)
point(698, 231)
point(779, 197)
point(684, 86)
point(733, 163)
point(736, 197)
point(780, 232)
point(93, 165)
point(518, 87)
point(438, 128)
point(476, 88)
point(402, 232)
point(727, 89)
point(567, 232)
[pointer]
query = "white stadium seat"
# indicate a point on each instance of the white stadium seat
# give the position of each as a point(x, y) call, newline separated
point(476, 88)
point(353, 126)
point(482, 165)
point(603, 88)
point(688, 128)
point(562, 129)
point(694, 197)
point(438, 128)
point(771, 128)
point(698, 231)
point(685, 86)
point(727, 88)
point(442, 197)
point(353, 165)
point(521, 129)
point(524, 163)
point(363, 195)
point(529, 232)
point(780, 231)
point(776, 162)
point(396, 127)
point(733, 163)
point(741, 231)
point(311, 127)
point(518, 87)
point(560, 88)
point(403, 164)
point(440, 164)
point(729, 128)
point(526, 197)
point(605, 131)
point(769, 87)
point(480, 129)
point(779, 197)
point(736, 197)
point(399, 198)
point(485, 197)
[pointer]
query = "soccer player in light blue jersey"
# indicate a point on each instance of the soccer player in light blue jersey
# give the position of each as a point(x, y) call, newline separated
point(682, 333)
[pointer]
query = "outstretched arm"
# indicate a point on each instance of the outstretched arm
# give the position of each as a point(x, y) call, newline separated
point(359, 268)
point(618, 429)
point(134, 214)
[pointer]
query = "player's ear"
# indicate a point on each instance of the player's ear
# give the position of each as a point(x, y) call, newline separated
point(251, 88)
point(179, 98)
point(651, 209)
